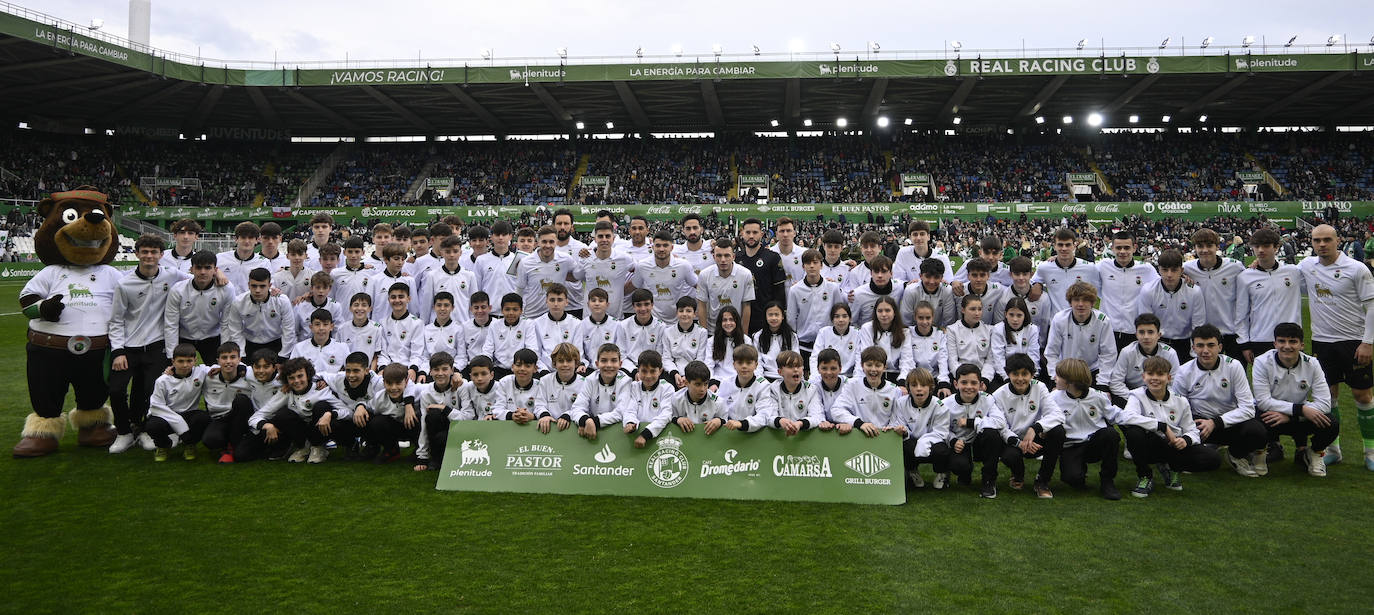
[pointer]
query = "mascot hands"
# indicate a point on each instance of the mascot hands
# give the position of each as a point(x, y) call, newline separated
point(51, 308)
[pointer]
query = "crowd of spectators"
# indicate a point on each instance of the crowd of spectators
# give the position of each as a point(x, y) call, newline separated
point(1180, 167)
point(1196, 166)
point(1320, 166)
point(988, 168)
point(379, 174)
point(671, 171)
point(830, 169)
point(34, 164)
point(504, 172)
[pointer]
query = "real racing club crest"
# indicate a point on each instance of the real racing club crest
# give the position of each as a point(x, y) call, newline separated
point(1225, 382)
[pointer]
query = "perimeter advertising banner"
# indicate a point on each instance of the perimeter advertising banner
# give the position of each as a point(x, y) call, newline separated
point(812, 466)
point(1281, 212)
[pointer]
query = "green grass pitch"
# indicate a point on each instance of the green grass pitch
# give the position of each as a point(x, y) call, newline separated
point(89, 532)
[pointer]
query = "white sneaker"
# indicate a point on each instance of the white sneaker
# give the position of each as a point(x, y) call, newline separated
point(123, 443)
point(916, 480)
point(1316, 465)
point(318, 454)
point(1259, 461)
point(1333, 453)
point(299, 455)
point(941, 480)
point(1242, 466)
point(146, 441)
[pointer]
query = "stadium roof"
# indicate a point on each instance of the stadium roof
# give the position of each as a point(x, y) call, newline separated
point(55, 73)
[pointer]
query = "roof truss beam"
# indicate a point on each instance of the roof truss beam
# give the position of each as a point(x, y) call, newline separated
point(49, 63)
point(492, 122)
point(713, 112)
point(400, 109)
point(1034, 105)
point(265, 110)
point(1284, 102)
point(207, 104)
point(956, 99)
point(627, 97)
point(792, 102)
point(62, 83)
point(560, 114)
point(875, 97)
point(135, 105)
point(1212, 96)
point(1129, 95)
point(322, 110)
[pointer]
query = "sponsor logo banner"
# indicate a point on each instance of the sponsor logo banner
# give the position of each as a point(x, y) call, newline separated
point(813, 466)
point(928, 211)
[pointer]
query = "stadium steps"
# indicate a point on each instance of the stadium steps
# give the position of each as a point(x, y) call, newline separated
point(421, 179)
point(581, 170)
point(734, 174)
point(1101, 177)
point(323, 173)
point(895, 183)
point(1268, 177)
point(139, 227)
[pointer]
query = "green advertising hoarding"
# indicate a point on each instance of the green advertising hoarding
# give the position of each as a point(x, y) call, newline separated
point(70, 38)
point(500, 456)
point(1283, 212)
point(706, 68)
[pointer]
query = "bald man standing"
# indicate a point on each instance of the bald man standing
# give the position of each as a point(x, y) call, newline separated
point(1340, 293)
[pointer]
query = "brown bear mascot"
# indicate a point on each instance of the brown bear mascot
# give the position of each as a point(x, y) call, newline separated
point(68, 304)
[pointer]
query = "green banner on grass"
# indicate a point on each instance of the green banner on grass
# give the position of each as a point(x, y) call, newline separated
point(812, 466)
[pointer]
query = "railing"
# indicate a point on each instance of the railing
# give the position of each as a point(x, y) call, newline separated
point(865, 53)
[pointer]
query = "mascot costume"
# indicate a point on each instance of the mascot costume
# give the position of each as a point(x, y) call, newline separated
point(68, 305)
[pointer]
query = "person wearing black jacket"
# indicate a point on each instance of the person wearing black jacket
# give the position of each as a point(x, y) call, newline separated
point(770, 279)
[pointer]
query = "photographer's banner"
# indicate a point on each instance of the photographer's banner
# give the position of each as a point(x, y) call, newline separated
point(768, 465)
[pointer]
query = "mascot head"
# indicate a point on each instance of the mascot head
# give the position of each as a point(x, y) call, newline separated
point(76, 230)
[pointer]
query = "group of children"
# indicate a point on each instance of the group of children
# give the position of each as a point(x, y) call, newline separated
point(999, 363)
